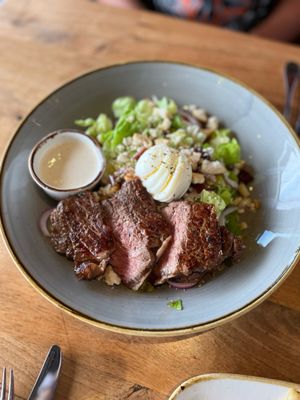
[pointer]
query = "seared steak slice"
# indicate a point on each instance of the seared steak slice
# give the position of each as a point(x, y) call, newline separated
point(199, 244)
point(232, 246)
point(78, 230)
point(139, 230)
point(60, 231)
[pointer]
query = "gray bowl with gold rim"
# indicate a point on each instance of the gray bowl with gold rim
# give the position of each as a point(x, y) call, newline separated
point(268, 143)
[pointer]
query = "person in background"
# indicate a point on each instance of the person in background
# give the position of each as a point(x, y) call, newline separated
point(275, 19)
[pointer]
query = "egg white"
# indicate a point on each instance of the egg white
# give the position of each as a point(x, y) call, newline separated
point(165, 173)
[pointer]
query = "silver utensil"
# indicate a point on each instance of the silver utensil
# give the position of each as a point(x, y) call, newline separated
point(45, 385)
point(291, 79)
point(10, 394)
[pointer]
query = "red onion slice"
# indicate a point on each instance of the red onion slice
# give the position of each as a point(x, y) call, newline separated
point(139, 153)
point(186, 282)
point(188, 117)
point(111, 180)
point(231, 182)
point(179, 285)
point(44, 220)
point(227, 211)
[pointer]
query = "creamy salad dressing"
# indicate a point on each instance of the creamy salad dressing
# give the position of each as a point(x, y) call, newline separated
point(69, 164)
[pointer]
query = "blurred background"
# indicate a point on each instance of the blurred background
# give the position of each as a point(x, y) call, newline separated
point(273, 19)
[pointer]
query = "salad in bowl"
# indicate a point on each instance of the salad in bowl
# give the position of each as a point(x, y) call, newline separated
point(171, 200)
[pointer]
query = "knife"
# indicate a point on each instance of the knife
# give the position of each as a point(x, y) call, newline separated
point(45, 385)
point(291, 79)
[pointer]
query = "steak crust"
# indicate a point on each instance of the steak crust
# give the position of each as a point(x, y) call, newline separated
point(79, 231)
point(140, 230)
point(130, 233)
point(199, 244)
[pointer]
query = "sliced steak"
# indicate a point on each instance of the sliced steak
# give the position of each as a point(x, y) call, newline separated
point(199, 244)
point(79, 231)
point(139, 229)
point(232, 246)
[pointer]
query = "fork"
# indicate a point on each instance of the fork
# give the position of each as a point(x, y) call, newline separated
point(10, 394)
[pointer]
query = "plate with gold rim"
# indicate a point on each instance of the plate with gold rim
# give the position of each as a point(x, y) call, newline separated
point(268, 143)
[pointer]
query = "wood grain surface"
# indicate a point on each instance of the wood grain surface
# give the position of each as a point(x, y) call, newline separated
point(44, 44)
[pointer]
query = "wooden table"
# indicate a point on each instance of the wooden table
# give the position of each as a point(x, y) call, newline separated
point(42, 45)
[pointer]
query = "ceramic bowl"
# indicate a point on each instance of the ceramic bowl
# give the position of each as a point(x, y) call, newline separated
point(273, 238)
point(53, 140)
point(235, 387)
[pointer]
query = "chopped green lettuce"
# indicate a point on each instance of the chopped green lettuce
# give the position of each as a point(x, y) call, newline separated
point(213, 198)
point(104, 136)
point(106, 142)
point(167, 104)
point(143, 110)
point(226, 149)
point(92, 130)
point(176, 304)
point(180, 138)
point(226, 194)
point(177, 122)
point(144, 107)
point(126, 126)
point(85, 123)
point(103, 123)
point(220, 136)
point(233, 223)
point(229, 153)
point(123, 105)
point(95, 127)
point(223, 190)
point(233, 176)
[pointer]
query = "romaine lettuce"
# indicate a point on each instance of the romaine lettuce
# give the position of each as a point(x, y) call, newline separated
point(229, 153)
point(143, 111)
point(176, 304)
point(167, 104)
point(123, 105)
point(103, 123)
point(180, 138)
point(220, 136)
point(223, 190)
point(233, 223)
point(213, 198)
point(85, 123)
point(177, 122)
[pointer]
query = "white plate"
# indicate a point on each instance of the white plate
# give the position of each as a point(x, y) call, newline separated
point(234, 387)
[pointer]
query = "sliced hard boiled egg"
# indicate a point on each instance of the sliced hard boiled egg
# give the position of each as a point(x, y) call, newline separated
point(165, 172)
